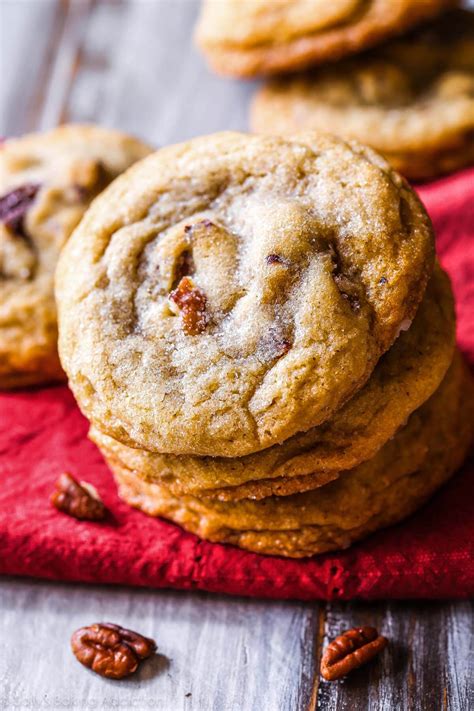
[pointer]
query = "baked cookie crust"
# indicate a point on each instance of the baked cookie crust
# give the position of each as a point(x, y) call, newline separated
point(47, 181)
point(404, 378)
point(236, 289)
point(247, 38)
point(377, 493)
point(411, 99)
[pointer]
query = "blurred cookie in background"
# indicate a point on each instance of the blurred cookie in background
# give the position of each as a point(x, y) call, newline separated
point(47, 182)
point(246, 38)
point(411, 99)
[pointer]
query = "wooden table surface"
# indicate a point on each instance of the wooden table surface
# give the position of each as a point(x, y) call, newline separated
point(131, 65)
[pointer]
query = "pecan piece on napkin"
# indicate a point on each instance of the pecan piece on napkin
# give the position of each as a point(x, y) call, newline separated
point(78, 499)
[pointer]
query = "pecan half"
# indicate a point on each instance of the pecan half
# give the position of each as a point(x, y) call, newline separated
point(14, 206)
point(191, 302)
point(351, 650)
point(79, 500)
point(110, 650)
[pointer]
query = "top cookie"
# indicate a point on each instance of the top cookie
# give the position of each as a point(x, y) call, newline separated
point(47, 181)
point(411, 99)
point(231, 291)
point(403, 379)
point(245, 38)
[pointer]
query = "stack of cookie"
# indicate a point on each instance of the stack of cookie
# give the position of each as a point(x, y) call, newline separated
point(411, 98)
point(260, 337)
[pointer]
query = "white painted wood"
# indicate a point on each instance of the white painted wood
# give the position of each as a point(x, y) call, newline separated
point(65, 61)
point(27, 29)
point(214, 653)
point(140, 71)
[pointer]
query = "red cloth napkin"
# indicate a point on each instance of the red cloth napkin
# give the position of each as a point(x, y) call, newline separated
point(42, 434)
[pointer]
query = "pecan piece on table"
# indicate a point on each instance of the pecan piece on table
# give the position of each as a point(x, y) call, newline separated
point(110, 650)
point(14, 206)
point(79, 500)
point(191, 302)
point(351, 650)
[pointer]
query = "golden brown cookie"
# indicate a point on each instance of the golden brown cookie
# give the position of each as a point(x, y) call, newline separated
point(412, 99)
point(47, 181)
point(403, 379)
point(236, 289)
point(380, 492)
point(245, 38)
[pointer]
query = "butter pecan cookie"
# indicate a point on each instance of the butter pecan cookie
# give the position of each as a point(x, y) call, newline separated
point(377, 493)
point(245, 38)
point(411, 99)
point(403, 379)
point(235, 290)
point(47, 181)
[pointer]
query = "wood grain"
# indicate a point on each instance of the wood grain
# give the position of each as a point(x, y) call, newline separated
point(132, 65)
point(214, 653)
point(427, 666)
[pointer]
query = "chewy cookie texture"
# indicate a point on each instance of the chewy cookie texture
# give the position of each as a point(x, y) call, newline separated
point(47, 181)
point(273, 343)
point(379, 492)
point(403, 379)
point(245, 38)
point(412, 99)
point(236, 290)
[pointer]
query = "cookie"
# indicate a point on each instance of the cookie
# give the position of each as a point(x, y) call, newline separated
point(229, 292)
point(403, 379)
point(412, 99)
point(246, 38)
point(47, 181)
point(377, 493)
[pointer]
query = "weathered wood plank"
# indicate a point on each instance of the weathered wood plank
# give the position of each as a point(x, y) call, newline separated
point(215, 653)
point(65, 63)
point(140, 71)
point(29, 34)
point(428, 665)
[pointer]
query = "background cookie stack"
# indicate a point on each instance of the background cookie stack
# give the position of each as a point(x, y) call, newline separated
point(411, 98)
point(262, 343)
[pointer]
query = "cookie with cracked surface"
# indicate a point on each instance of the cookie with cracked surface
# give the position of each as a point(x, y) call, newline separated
point(238, 289)
point(246, 38)
point(403, 379)
point(47, 181)
point(377, 493)
point(412, 99)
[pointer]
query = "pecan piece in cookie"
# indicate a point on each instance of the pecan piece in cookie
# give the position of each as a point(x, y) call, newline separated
point(184, 266)
point(79, 500)
point(351, 650)
point(274, 344)
point(14, 206)
point(275, 259)
point(110, 650)
point(191, 302)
